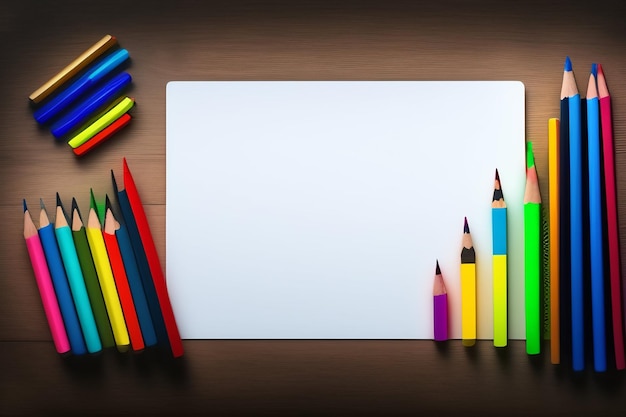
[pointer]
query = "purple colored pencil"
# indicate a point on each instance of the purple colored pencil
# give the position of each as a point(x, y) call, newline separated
point(440, 307)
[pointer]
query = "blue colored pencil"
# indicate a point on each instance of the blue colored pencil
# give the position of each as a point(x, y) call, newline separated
point(76, 280)
point(576, 217)
point(60, 283)
point(142, 264)
point(134, 282)
point(595, 223)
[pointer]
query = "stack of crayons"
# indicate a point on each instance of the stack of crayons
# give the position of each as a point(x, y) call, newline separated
point(99, 276)
point(85, 103)
point(585, 279)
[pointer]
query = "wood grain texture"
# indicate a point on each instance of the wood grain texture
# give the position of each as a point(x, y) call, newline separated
point(281, 40)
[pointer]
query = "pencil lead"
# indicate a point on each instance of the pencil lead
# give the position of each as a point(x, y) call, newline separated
point(594, 69)
point(437, 270)
point(92, 201)
point(599, 68)
point(58, 200)
point(107, 203)
point(497, 175)
point(115, 190)
point(530, 157)
point(60, 204)
point(41, 204)
point(466, 227)
point(568, 64)
point(25, 207)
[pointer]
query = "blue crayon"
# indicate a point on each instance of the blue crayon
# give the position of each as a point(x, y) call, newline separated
point(87, 108)
point(79, 87)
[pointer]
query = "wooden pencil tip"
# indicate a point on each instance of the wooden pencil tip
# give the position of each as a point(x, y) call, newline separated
point(437, 270)
point(466, 227)
point(568, 64)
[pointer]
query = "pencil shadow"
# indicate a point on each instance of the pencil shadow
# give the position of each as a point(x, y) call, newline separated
point(443, 348)
point(153, 360)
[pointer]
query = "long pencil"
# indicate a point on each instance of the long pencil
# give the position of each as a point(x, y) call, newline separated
point(107, 283)
point(553, 166)
point(532, 255)
point(595, 223)
point(611, 220)
point(91, 278)
point(44, 284)
point(76, 280)
point(499, 237)
point(121, 280)
point(61, 285)
point(576, 217)
point(134, 281)
point(565, 287)
point(440, 307)
point(142, 265)
point(152, 255)
point(468, 288)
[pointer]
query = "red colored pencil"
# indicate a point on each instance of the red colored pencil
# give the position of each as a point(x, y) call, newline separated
point(121, 280)
point(156, 271)
point(611, 215)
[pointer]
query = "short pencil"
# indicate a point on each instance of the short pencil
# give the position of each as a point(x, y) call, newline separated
point(468, 288)
point(499, 235)
point(440, 307)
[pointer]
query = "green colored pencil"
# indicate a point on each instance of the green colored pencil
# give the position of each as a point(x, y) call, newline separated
point(91, 278)
point(532, 255)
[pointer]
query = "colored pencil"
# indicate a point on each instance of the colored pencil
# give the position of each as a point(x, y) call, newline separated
point(87, 57)
point(107, 283)
point(76, 280)
point(156, 271)
point(61, 285)
point(44, 284)
point(595, 223)
point(440, 307)
point(134, 280)
point(532, 255)
point(565, 287)
point(611, 220)
point(91, 278)
point(142, 265)
point(103, 135)
point(576, 217)
point(468, 288)
point(553, 166)
point(121, 281)
point(499, 236)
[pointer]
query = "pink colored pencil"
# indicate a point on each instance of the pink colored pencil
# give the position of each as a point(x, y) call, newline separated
point(611, 215)
point(44, 283)
point(440, 307)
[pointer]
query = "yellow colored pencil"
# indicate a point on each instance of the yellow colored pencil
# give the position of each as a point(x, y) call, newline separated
point(499, 236)
point(553, 170)
point(102, 122)
point(468, 289)
point(107, 283)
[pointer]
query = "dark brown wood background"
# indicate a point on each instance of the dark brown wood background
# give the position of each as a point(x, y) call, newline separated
point(255, 40)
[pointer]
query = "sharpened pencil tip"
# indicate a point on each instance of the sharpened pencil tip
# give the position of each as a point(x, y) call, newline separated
point(568, 64)
point(107, 202)
point(599, 70)
point(594, 70)
point(58, 199)
point(530, 157)
point(25, 206)
point(437, 270)
point(497, 175)
point(92, 200)
point(41, 204)
point(466, 227)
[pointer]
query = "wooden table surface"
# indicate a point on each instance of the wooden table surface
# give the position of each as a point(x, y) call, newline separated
point(253, 40)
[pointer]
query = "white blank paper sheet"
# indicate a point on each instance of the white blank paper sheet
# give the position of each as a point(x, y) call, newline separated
point(317, 210)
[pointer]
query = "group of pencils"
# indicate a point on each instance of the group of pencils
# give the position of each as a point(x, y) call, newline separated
point(532, 256)
point(99, 276)
point(585, 315)
point(585, 273)
point(85, 102)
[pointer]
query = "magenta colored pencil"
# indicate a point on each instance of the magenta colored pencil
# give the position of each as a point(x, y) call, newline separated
point(611, 216)
point(440, 307)
point(44, 283)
